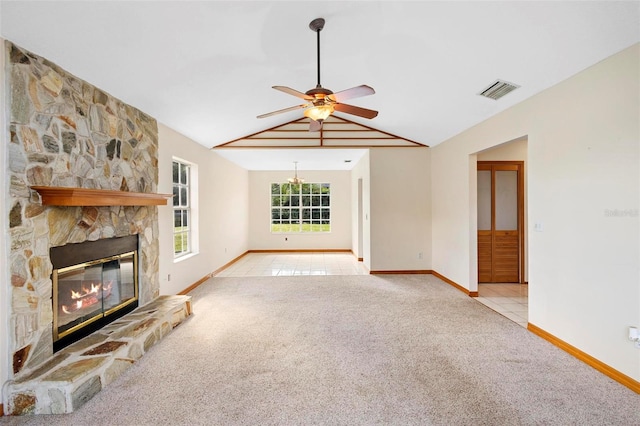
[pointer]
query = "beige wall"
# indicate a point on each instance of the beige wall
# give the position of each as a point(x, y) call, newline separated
point(400, 209)
point(510, 151)
point(222, 211)
point(360, 172)
point(583, 162)
point(260, 236)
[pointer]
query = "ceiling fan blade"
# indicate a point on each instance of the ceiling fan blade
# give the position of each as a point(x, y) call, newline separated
point(354, 110)
point(315, 126)
point(354, 92)
point(280, 111)
point(293, 92)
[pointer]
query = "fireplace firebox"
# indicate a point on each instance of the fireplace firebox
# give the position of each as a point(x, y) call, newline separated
point(94, 283)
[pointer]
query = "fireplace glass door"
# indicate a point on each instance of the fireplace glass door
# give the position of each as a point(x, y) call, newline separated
point(90, 291)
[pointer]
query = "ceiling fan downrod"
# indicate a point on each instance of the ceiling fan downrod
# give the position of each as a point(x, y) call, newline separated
point(317, 25)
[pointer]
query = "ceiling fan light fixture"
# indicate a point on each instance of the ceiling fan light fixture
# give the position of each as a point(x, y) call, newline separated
point(319, 113)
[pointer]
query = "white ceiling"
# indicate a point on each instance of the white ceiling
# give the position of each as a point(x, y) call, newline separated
point(206, 68)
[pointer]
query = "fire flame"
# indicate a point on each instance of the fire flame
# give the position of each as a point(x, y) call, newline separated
point(87, 296)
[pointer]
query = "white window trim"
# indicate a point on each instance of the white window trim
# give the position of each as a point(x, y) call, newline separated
point(193, 208)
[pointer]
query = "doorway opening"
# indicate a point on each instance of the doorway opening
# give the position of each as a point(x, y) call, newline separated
point(502, 231)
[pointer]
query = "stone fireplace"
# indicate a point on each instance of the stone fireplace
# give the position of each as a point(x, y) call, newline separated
point(64, 132)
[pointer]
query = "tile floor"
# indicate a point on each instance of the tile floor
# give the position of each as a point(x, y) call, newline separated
point(286, 264)
point(510, 300)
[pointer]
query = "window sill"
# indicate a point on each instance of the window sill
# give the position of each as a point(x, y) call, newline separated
point(184, 257)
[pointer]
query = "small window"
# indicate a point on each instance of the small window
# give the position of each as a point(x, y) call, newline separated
point(182, 238)
point(300, 208)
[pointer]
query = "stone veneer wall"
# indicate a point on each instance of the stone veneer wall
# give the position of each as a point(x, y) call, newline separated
point(66, 132)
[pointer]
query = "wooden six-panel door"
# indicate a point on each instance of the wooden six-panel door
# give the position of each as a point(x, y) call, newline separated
point(500, 222)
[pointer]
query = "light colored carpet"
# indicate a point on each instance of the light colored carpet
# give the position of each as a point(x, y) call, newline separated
point(351, 350)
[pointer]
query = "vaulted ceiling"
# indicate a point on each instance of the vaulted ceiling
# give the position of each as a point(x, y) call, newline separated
point(206, 68)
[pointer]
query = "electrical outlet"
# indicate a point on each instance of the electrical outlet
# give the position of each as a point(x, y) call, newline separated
point(634, 336)
point(420, 255)
point(168, 277)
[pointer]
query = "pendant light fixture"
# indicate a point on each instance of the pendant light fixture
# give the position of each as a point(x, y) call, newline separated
point(295, 180)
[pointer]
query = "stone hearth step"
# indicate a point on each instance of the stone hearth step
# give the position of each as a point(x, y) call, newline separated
point(78, 372)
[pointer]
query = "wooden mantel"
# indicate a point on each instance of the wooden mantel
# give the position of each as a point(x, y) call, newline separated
point(59, 196)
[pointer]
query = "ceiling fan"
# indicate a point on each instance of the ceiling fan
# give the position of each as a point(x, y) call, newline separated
point(321, 102)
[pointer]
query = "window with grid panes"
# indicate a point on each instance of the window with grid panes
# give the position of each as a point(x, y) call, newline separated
point(300, 208)
point(181, 209)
